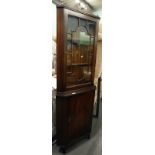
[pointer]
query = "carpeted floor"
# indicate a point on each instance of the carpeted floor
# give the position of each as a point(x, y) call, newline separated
point(93, 146)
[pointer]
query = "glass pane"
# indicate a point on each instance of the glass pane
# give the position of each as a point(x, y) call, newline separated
point(78, 75)
point(83, 22)
point(81, 43)
point(92, 44)
point(69, 43)
point(91, 28)
point(72, 23)
point(69, 58)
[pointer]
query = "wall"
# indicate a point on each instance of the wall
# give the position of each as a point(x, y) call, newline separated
point(98, 68)
point(54, 20)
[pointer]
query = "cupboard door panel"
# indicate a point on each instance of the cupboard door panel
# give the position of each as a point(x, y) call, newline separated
point(80, 114)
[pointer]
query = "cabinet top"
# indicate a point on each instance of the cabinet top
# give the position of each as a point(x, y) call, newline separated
point(75, 10)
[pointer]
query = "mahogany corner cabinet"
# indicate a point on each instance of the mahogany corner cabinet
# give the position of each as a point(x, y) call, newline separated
point(76, 57)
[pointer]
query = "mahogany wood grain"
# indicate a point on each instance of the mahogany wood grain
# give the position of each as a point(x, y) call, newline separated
point(74, 104)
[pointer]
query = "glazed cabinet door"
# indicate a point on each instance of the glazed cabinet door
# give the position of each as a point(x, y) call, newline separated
point(80, 114)
point(80, 51)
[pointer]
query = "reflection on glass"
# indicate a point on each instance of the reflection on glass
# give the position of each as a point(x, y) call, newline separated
point(72, 23)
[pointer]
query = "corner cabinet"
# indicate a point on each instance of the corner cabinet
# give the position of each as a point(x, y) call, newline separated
point(76, 56)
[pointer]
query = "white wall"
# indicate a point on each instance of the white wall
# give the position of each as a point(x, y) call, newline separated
point(54, 21)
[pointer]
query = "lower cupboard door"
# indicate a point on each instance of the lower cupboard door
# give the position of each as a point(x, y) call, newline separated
point(80, 114)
